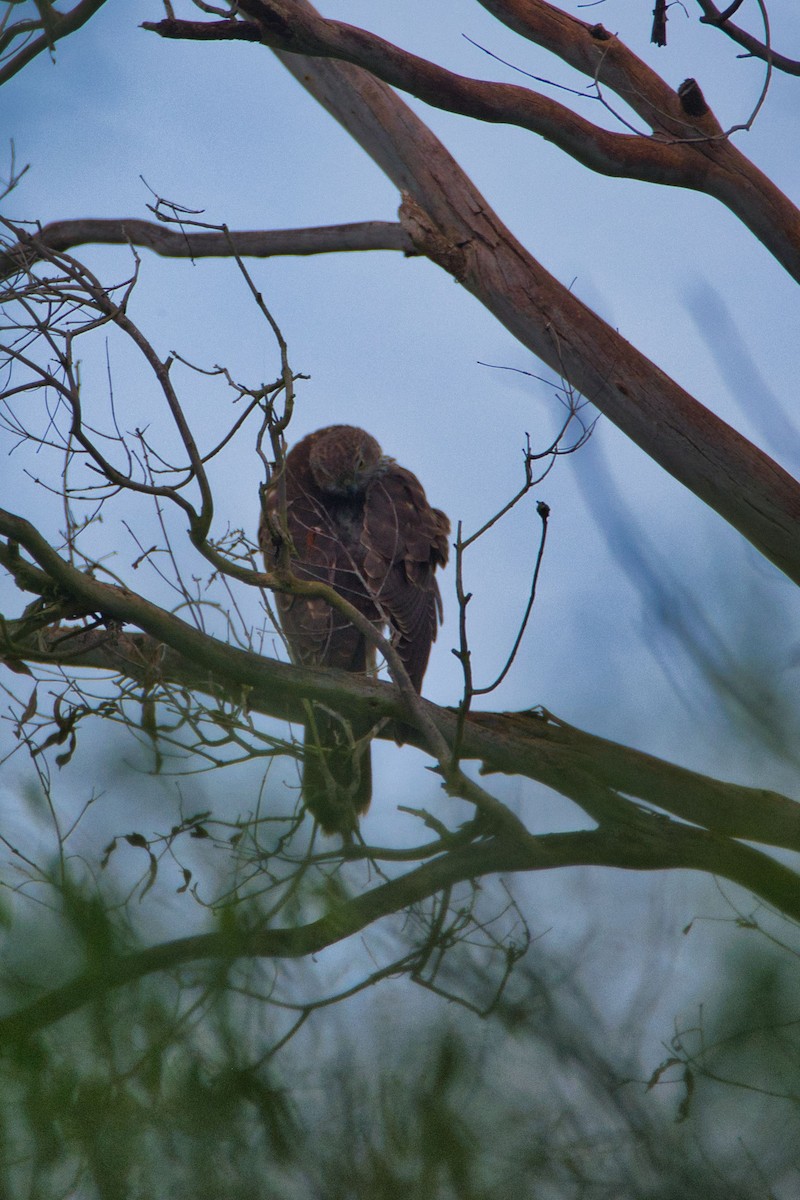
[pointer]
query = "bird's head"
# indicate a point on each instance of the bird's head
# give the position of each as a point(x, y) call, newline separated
point(343, 459)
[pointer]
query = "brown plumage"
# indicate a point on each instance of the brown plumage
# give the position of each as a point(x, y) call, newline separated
point(363, 525)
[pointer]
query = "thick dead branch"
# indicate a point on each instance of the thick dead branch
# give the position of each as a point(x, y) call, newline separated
point(189, 243)
point(453, 223)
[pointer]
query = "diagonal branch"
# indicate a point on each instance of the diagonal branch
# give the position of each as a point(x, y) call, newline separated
point(711, 163)
point(454, 224)
point(712, 15)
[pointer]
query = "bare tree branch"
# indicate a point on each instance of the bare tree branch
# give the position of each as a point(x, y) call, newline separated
point(712, 15)
point(189, 243)
point(56, 26)
point(454, 224)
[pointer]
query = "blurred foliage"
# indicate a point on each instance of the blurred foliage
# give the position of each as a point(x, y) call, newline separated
point(198, 1083)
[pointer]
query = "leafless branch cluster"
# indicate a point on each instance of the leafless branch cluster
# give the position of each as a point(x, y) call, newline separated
point(47, 314)
point(53, 305)
point(25, 33)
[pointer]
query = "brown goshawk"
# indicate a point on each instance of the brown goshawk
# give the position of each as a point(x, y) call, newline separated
point(362, 524)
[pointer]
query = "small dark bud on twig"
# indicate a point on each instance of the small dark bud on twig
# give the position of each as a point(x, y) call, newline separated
point(600, 33)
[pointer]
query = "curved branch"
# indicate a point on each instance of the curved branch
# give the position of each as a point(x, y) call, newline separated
point(103, 302)
point(711, 164)
point(596, 53)
point(499, 103)
point(714, 16)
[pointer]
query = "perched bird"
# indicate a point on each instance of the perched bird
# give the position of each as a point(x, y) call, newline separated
point(362, 524)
